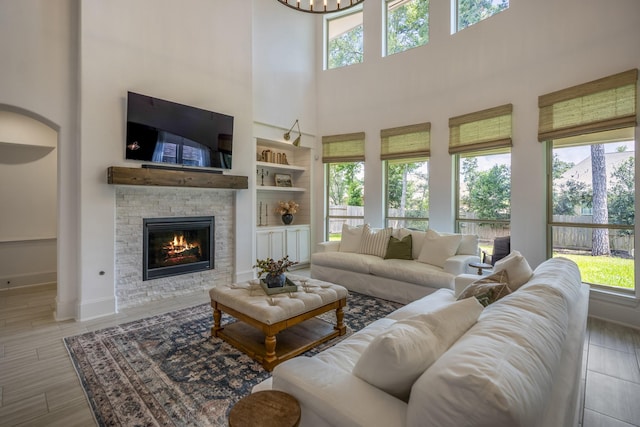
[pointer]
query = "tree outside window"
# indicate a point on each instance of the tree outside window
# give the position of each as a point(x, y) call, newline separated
point(407, 201)
point(484, 196)
point(407, 24)
point(593, 209)
point(345, 196)
point(471, 12)
point(345, 40)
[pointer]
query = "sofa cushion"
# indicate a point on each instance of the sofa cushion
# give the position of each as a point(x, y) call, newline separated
point(468, 245)
point(517, 268)
point(350, 240)
point(374, 241)
point(399, 248)
point(399, 355)
point(437, 248)
point(499, 373)
point(411, 271)
point(417, 240)
point(432, 302)
point(357, 263)
point(488, 289)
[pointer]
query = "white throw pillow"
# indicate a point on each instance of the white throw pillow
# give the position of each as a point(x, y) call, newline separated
point(350, 240)
point(374, 241)
point(517, 268)
point(468, 245)
point(437, 248)
point(397, 357)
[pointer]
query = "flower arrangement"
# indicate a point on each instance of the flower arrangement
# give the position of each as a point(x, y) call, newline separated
point(285, 208)
point(272, 267)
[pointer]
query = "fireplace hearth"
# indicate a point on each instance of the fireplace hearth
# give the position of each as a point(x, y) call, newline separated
point(173, 246)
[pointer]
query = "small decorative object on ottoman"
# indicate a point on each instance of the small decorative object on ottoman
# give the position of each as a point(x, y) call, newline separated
point(275, 277)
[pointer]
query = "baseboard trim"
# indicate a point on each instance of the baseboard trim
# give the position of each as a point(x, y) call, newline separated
point(96, 308)
point(31, 279)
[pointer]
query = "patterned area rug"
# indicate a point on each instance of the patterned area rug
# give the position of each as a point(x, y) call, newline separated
point(167, 370)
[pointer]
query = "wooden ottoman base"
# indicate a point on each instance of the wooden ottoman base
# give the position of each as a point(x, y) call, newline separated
point(294, 335)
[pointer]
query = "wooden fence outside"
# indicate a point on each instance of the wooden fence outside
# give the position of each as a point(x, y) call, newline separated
point(563, 237)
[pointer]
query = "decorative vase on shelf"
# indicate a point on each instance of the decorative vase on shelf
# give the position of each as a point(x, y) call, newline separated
point(287, 219)
point(275, 280)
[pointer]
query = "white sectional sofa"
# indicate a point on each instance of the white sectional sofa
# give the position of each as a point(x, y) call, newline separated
point(518, 364)
point(435, 260)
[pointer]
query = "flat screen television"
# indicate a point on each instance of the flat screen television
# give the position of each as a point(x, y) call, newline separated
point(165, 132)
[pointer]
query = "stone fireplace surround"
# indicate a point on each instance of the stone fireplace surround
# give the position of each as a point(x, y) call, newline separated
point(133, 203)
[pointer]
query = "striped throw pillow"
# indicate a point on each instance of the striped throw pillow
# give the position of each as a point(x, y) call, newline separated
point(375, 241)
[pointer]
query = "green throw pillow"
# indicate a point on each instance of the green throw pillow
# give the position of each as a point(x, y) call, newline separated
point(399, 249)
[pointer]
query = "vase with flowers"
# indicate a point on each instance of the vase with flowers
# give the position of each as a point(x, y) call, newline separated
point(274, 270)
point(286, 210)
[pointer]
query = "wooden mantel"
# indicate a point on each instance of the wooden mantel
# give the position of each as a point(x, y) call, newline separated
point(173, 178)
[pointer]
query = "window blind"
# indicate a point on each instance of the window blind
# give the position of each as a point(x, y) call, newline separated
point(480, 131)
point(406, 142)
point(601, 105)
point(343, 148)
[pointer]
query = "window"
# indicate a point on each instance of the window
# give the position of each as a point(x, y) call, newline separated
point(591, 156)
point(407, 24)
point(344, 39)
point(481, 145)
point(175, 149)
point(469, 12)
point(405, 152)
point(343, 156)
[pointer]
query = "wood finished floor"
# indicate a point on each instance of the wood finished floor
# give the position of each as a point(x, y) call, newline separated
point(39, 387)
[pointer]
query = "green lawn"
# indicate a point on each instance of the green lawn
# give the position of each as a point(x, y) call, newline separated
point(604, 270)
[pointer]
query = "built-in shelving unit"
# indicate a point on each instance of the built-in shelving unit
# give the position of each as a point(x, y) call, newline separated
point(272, 178)
point(279, 181)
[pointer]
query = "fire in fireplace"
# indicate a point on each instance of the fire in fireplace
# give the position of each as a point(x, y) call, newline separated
point(175, 246)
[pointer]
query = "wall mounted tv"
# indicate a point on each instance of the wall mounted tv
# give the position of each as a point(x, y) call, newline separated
point(160, 131)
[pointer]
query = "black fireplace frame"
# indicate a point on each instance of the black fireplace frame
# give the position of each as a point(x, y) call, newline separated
point(170, 224)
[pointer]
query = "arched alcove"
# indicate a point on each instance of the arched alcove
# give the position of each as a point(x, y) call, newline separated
point(28, 171)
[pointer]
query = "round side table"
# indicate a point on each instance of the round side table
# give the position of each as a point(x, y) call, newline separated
point(268, 408)
point(480, 266)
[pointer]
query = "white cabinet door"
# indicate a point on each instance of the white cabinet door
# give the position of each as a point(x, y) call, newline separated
point(270, 244)
point(298, 244)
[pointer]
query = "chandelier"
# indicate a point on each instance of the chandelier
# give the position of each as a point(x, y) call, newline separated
point(320, 6)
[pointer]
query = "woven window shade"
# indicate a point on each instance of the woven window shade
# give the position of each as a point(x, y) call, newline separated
point(406, 142)
point(601, 105)
point(483, 130)
point(343, 148)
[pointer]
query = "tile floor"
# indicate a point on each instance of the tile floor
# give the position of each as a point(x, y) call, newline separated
point(39, 387)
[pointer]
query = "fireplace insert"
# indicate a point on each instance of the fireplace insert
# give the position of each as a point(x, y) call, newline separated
point(178, 245)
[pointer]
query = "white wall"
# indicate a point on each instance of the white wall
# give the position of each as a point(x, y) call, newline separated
point(528, 50)
point(284, 86)
point(38, 78)
point(196, 54)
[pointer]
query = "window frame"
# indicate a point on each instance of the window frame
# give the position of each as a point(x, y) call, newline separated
point(385, 28)
point(325, 36)
point(388, 218)
point(505, 223)
point(551, 223)
point(580, 114)
point(455, 7)
point(340, 149)
point(328, 216)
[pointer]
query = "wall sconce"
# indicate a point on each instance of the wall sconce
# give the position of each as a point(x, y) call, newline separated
point(287, 135)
